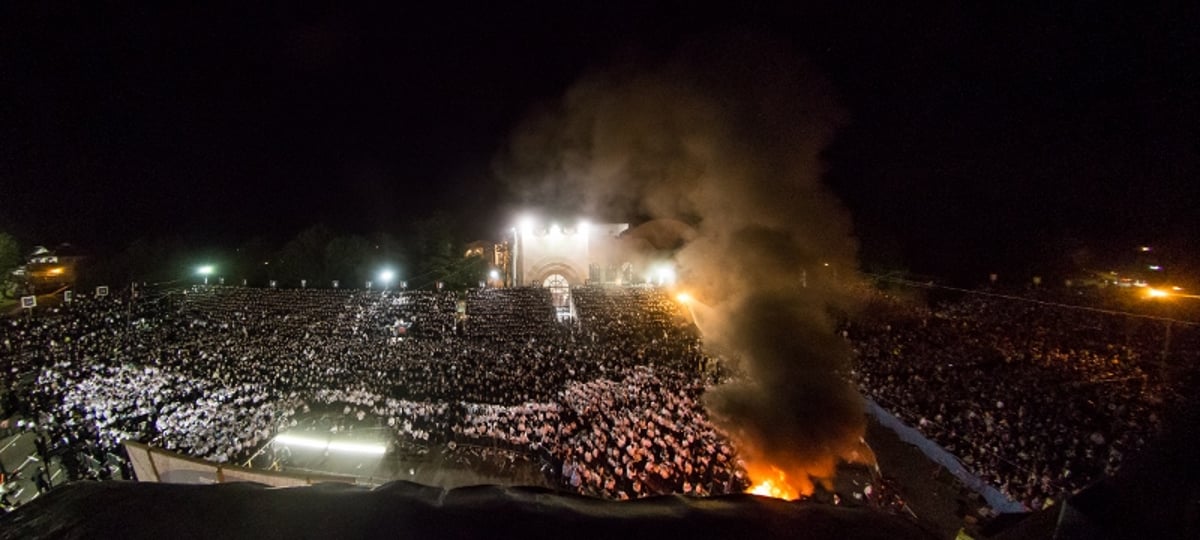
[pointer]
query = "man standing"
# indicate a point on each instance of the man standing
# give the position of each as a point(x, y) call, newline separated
point(42, 479)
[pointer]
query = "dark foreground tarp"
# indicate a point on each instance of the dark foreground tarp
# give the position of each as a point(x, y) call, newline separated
point(407, 510)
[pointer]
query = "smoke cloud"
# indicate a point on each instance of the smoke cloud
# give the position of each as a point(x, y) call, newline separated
point(727, 137)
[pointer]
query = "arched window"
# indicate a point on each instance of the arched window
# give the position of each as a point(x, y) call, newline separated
point(560, 290)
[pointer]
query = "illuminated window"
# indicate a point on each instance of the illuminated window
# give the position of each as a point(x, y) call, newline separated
point(560, 290)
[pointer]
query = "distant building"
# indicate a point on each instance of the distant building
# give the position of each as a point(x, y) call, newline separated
point(550, 254)
point(47, 269)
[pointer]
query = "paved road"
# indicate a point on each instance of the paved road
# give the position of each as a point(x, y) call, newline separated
point(44, 301)
point(18, 454)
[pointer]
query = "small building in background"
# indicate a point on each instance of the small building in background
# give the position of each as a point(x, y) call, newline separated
point(49, 269)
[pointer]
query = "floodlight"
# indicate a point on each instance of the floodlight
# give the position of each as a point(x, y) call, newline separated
point(205, 271)
point(525, 224)
point(336, 446)
point(666, 275)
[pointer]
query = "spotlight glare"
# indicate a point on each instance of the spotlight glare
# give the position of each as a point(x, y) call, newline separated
point(665, 274)
point(525, 224)
point(337, 446)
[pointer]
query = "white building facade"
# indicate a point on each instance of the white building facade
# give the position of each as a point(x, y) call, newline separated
point(546, 254)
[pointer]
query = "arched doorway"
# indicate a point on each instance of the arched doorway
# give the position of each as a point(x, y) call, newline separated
point(560, 294)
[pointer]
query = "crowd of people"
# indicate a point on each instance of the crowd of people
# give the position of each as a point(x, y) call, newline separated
point(214, 372)
point(646, 434)
point(1039, 399)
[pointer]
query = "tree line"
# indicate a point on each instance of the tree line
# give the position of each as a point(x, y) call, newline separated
point(427, 252)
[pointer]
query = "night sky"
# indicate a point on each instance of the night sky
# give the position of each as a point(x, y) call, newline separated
point(979, 137)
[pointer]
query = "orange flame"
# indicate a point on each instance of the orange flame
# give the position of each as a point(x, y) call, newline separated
point(800, 481)
point(774, 485)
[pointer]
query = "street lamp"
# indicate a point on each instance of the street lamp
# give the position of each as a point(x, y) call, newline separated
point(205, 271)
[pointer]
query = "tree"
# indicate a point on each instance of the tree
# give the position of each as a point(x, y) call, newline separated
point(252, 262)
point(152, 259)
point(10, 253)
point(10, 257)
point(347, 259)
point(304, 257)
point(434, 250)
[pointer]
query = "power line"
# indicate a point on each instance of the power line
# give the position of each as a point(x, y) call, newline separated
point(930, 285)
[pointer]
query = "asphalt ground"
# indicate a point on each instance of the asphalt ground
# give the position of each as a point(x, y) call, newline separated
point(18, 455)
point(941, 503)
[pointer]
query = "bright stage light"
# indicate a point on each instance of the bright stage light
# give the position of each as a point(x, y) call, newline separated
point(665, 274)
point(525, 224)
point(337, 446)
point(494, 274)
point(1157, 293)
point(386, 276)
point(205, 270)
point(684, 298)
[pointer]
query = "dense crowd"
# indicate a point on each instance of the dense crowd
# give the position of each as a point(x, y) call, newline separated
point(215, 372)
point(1037, 398)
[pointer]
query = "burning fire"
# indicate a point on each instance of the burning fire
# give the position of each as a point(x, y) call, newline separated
point(771, 481)
point(775, 485)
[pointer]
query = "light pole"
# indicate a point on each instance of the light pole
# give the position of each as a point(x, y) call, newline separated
point(205, 271)
point(386, 276)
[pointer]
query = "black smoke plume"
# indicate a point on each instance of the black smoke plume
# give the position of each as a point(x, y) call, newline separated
point(726, 136)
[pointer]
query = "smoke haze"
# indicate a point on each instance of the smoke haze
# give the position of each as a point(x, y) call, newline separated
point(726, 137)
